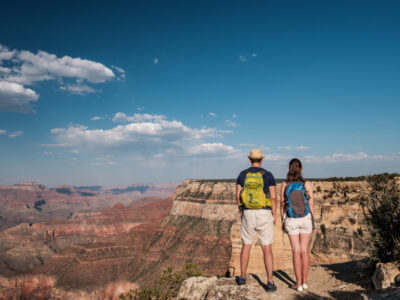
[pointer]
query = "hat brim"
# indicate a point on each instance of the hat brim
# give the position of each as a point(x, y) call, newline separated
point(256, 157)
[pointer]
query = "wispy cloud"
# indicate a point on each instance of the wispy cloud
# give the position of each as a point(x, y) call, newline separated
point(15, 134)
point(121, 72)
point(233, 116)
point(2, 131)
point(284, 147)
point(48, 153)
point(78, 88)
point(212, 114)
point(339, 157)
point(96, 118)
point(230, 123)
point(104, 161)
point(302, 148)
point(155, 61)
point(242, 58)
point(28, 68)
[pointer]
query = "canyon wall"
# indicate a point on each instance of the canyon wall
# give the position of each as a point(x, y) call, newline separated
point(340, 235)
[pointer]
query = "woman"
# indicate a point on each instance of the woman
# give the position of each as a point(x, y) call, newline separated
point(298, 228)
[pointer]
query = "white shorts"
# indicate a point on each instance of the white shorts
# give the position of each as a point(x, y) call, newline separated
point(258, 221)
point(301, 225)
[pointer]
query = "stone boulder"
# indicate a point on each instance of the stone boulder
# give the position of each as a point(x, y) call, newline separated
point(199, 288)
point(196, 288)
point(384, 275)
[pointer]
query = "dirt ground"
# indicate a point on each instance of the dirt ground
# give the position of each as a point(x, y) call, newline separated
point(336, 281)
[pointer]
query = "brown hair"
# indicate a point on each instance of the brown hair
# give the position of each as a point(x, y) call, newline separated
point(294, 173)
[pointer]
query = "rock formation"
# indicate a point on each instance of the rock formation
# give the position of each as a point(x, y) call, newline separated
point(32, 202)
point(132, 244)
point(340, 234)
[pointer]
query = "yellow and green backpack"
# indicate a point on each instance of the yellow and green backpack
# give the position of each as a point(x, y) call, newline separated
point(253, 196)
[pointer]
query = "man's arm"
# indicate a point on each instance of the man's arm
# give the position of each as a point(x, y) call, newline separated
point(272, 194)
point(238, 190)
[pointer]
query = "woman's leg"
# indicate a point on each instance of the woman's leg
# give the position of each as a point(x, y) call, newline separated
point(296, 251)
point(305, 258)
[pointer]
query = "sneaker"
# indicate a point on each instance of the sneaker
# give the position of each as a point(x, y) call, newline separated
point(300, 288)
point(240, 280)
point(305, 286)
point(271, 286)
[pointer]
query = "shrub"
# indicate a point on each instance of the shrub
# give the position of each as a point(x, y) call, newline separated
point(167, 286)
point(323, 228)
point(382, 213)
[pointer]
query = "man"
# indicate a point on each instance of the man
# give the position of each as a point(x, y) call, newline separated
point(256, 200)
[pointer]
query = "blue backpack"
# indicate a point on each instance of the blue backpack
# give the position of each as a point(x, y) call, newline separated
point(297, 200)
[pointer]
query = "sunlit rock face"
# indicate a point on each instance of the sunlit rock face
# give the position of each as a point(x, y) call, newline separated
point(133, 243)
point(337, 212)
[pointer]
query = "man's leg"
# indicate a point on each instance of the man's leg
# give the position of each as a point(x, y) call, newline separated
point(268, 261)
point(244, 259)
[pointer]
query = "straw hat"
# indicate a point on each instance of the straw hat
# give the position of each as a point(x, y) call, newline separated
point(256, 154)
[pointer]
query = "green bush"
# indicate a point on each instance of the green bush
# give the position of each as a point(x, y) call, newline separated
point(382, 213)
point(323, 228)
point(167, 286)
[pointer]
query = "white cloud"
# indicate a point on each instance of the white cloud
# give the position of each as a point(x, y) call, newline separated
point(145, 135)
point(96, 118)
point(276, 157)
point(336, 157)
point(230, 123)
point(140, 108)
point(27, 68)
point(48, 153)
point(54, 145)
point(46, 66)
point(123, 118)
point(122, 72)
point(75, 151)
point(242, 58)
point(5, 70)
point(254, 55)
point(14, 97)
point(212, 114)
point(156, 60)
point(15, 134)
point(233, 116)
point(103, 161)
point(212, 149)
point(2, 131)
point(78, 88)
point(6, 54)
point(284, 147)
point(302, 148)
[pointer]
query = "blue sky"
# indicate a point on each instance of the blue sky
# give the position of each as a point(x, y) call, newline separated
point(161, 91)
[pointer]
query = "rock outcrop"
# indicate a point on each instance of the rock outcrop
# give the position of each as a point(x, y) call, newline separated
point(340, 235)
point(385, 275)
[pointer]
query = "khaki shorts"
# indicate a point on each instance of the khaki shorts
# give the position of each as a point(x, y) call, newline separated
point(258, 221)
point(301, 225)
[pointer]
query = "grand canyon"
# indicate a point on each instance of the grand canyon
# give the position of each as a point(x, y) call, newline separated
point(98, 242)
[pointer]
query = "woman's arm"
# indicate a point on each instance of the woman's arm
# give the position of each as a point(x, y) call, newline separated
point(283, 186)
point(309, 189)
